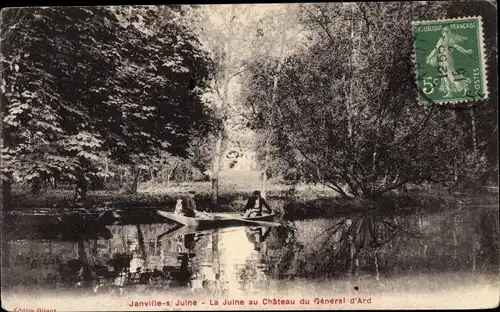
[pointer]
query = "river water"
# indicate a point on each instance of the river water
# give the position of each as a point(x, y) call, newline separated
point(432, 252)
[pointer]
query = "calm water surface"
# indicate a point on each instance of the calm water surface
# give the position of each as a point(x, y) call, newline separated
point(140, 257)
point(145, 258)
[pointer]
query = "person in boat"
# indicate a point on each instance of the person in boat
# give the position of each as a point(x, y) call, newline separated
point(254, 205)
point(189, 205)
point(178, 206)
point(189, 208)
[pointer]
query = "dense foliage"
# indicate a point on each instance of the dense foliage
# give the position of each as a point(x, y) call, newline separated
point(82, 83)
point(345, 111)
point(320, 92)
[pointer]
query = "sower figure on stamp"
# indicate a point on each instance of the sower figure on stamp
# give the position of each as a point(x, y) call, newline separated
point(442, 57)
point(254, 205)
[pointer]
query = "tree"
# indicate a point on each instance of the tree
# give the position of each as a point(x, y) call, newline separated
point(223, 37)
point(268, 136)
point(480, 124)
point(382, 140)
point(45, 113)
point(244, 34)
point(82, 82)
point(168, 80)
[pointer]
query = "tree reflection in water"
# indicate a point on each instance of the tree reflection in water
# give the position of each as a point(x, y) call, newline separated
point(131, 258)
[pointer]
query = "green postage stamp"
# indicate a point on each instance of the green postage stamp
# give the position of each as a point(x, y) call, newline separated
point(450, 61)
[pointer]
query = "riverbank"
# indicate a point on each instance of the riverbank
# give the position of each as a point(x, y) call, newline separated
point(299, 202)
point(232, 196)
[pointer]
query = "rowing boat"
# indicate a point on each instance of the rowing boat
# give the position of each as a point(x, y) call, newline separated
point(220, 220)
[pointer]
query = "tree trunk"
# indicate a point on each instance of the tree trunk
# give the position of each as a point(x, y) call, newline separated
point(170, 173)
point(216, 167)
point(188, 173)
point(135, 171)
point(217, 155)
point(349, 102)
point(455, 166)
point(355, 262)
point(6, 199)
point(474, 146)
point(215, 254)
point(168, 183)
point(82, 254)
point(36, 185)
point(455, 237)
point(87, 261)
point(474, 253)
point(151, 174)
point(5, 252)
point(106, 168)
point(161, 176)
point(124, 241)
point(376, 266)
point(474, 139)
point(353, 250)
point(267, 158)
point(264, 178)
point(81, 189)
point(141, 244)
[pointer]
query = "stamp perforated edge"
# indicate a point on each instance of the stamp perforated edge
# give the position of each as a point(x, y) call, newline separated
point(483, 61)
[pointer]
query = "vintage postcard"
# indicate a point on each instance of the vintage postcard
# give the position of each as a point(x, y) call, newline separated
point(288, 156)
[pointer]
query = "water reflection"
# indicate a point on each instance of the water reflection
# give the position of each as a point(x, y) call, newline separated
point(163, 257)
point(120, 259)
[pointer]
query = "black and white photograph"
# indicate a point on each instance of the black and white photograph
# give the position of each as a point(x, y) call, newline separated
point(260, 156)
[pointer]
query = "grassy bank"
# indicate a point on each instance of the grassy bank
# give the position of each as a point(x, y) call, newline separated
point(301, 201)
point(231, 197)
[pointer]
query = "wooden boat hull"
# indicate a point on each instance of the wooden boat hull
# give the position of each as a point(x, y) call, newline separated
point(220, 220)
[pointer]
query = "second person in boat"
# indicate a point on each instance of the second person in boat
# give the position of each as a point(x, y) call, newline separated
point(189, 207)
point(254, 205)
